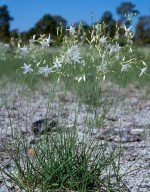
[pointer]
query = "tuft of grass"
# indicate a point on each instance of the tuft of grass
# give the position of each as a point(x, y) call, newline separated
point(60, 162)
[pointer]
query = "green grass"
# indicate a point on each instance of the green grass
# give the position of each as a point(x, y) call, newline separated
point(11, 67)
point(60, 163)
point(132, 76)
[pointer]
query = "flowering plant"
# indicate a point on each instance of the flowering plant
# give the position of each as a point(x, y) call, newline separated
point(102, 52)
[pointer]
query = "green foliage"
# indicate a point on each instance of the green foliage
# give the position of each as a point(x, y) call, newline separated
point(5, 19)
point(143, 30)
point(125, 9)
point(58, 19)
point(107, 18)
point(59, 162)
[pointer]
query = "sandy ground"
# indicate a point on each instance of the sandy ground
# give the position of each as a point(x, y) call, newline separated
point(127, 121)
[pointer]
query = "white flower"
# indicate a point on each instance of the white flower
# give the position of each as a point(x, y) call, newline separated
point(49, 40)
point(76, 57)
point(98, 27)
point(102, 68)
point(27, 68)
point(46, 42)
point(57, 63)
point(115, 49)
point(32, 41)
point(143, 71)
point(102, 40)
point(73, 54)
point(45, 70)
point(125, 67)
point(128, 31)
point(74, 48)
point(71, 30)
point(24, 51)
point(109, 46)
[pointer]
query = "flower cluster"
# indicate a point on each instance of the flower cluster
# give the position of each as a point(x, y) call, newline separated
point(46, 42)
point(72, 55)
point(102, 52)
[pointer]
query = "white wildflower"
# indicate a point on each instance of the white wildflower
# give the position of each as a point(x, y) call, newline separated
point(128, 31)
point(74, 48)
point(102, 40)
point(102, 68)
point(24, 51)
point(27, 68)
point(32, 41)
point(76, 57)
point(45, 70)
point(73, 54)
point(46, 42)
point(143, 71)
point(98, 27)
point(125, 67)
point(115, 49)
point(71, 30)
point(57, 63)
point(49, 40)
point(109, 46)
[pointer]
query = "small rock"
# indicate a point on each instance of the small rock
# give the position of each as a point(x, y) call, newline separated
point(137, 131)
point(127, 138)
point(13, 108)
point(42, 125)
point(131, 158)
point(111, 119)
point(100, 137)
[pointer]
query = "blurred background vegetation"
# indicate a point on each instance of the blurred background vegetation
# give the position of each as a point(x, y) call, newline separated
point(48, 24)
